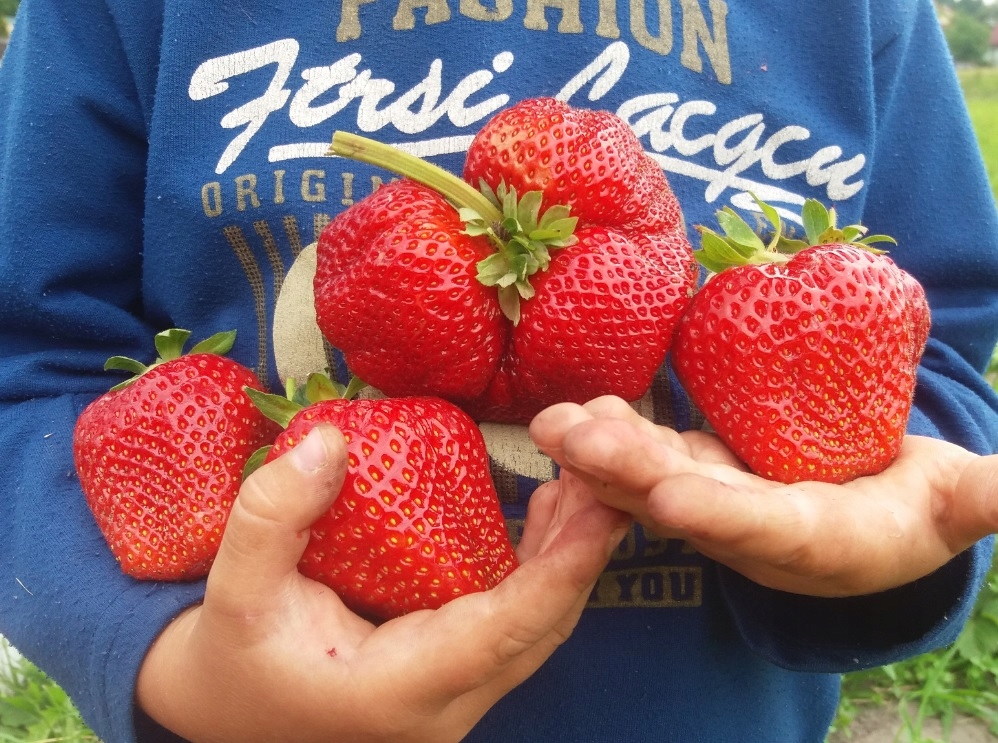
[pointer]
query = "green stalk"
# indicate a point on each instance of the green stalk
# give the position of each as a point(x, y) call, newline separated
point(448, 185)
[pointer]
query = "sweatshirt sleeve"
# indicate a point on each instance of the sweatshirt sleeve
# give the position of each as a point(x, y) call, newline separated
point(72, 170)
point(928, 189)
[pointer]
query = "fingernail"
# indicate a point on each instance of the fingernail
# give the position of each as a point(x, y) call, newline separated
point(310, 455)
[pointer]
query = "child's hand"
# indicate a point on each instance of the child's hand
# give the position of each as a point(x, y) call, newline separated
point(271, 655)
point(868, 535)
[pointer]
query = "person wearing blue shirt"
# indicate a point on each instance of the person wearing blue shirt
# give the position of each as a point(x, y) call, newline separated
point(163, 164)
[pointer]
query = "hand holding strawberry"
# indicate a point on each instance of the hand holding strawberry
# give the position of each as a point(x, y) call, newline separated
point(815, 538)
point(160, 457)
point(561, 280)
point(268, 645)
point(802, 355)
point(418, 522)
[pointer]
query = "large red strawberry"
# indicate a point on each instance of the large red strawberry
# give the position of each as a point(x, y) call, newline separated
point(561, 279)
point(802, 355)
point(417, 522)
point(160, 457)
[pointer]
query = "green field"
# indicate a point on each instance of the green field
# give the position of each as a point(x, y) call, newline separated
point(980, 86)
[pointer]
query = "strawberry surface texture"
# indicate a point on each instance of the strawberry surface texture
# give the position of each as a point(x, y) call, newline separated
point(569, 288)
point(806, 368)
point(160, 462)
point(417, 522)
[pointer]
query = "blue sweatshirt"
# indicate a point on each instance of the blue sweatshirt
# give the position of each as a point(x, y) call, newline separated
point(161, 165)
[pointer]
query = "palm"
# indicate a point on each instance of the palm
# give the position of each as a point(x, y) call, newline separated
point(269, 645)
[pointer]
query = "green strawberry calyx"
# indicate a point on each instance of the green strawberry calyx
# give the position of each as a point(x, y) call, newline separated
point(522, 232)
point(282, 408)
point(741, 245)
point(524, 237)
point(169, 347)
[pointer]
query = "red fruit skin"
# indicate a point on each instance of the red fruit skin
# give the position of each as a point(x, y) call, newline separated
point(604, 313)
point(396, 291)
point(397, 294)
point(807, 370)
point(600, 324)
point(160, 463)
point(417, 522)
point(588, 160)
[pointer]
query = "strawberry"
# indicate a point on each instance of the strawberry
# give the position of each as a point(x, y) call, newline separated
point(589, 161)
point(417, 522)
point(160, 457)
point(560, 280)
point(802, 354)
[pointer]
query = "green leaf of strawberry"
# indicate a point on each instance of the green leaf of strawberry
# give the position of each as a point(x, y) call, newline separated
point(805, 363)
point(160, 456)
point(170, 345)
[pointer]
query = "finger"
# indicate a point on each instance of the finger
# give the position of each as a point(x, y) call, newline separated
point(783, 538)
point(808, 538)
point(617, 453)
point(622, 464)
point(723, 510)
point(571, 495)
point(528, 614)
point(610, 406)
point(709, 448)
point(749, 520)
point(618, 463)
point(541, 510)
point(973, 514)
point(268, 528)
point(548, 428)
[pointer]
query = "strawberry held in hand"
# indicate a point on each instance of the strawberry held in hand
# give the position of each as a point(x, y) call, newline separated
point(160, 457)
point(417, 522)
point(802, 355)
point(561, 280)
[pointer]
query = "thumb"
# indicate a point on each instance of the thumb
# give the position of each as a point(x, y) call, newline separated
point(975, 506)
point(268, 528)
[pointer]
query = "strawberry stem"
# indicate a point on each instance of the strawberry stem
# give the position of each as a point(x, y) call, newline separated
point(282, 408)
point(448, 185)
point(522, 230)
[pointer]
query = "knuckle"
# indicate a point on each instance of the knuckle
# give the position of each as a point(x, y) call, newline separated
point(259, 501)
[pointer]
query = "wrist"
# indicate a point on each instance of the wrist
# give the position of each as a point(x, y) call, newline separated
point(165, 677)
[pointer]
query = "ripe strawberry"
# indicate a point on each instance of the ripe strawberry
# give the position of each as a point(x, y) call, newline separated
point(417, 522)
point(562, 280)
point(802, 355)
point(160, 457)
point(589, 161)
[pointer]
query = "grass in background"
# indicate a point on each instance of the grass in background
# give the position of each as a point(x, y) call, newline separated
point(961, 679)
point(980, 88)
point(33, 708)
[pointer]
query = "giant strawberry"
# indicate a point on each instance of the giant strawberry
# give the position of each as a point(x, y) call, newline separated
point(417, 522)
point(160, 457)
point(562, 278)
point(802, 355)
